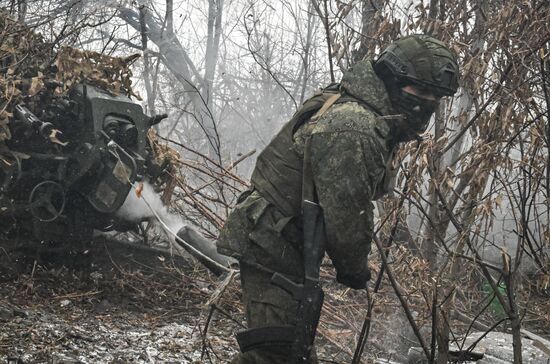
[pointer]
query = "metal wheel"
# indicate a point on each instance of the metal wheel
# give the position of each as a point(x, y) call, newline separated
point(47, 201)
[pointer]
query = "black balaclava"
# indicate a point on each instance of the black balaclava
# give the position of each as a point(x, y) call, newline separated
point(416, 113)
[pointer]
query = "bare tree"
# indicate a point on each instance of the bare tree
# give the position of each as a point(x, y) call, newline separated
point(175, 58)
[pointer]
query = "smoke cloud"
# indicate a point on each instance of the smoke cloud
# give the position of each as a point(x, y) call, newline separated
point(136, 209)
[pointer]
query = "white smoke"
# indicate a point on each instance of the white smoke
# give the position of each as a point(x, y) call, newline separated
point(148, 206)
point(140, 208)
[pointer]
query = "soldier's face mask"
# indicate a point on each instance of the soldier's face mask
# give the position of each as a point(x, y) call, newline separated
point(416, 111)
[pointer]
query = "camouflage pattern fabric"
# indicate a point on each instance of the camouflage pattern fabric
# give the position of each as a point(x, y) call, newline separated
point(278, 171)
point(257, 233)
point(362, 82)
point(350, 146)
point(266, 305)
point(350, 149)
point(349, 153)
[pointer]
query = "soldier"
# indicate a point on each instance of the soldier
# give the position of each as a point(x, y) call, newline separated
point(337, 147)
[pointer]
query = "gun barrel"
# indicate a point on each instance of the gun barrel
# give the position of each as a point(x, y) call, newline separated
point(206, 247)
point(26, 116)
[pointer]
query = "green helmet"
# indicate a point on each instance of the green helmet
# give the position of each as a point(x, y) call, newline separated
point(420, 60)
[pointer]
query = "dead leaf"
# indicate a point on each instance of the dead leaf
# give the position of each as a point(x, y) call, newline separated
point(139, 189)
point(36, 85)
point(54, 139)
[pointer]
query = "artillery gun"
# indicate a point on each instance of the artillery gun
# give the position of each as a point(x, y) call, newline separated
point(70, 163)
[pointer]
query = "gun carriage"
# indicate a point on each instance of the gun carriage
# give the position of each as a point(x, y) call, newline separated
point(70, 163)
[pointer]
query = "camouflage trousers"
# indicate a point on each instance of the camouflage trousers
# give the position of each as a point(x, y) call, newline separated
point(266, 305)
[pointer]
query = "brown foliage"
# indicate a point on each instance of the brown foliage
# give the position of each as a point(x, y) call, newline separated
point(32, 70)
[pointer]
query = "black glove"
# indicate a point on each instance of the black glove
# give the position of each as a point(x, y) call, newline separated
point(354, 280)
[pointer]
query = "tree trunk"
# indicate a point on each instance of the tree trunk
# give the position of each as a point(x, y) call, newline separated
point(307, 50)
point(146, 64)
point(215, 10)
point(178, 62)
point(323, 14)
point(369, 10)
point(21, 10)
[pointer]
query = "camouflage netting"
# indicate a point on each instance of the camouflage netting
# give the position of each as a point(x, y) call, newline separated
point(33, 70)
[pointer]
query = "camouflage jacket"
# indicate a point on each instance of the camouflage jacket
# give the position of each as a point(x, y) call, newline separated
point(350, 147)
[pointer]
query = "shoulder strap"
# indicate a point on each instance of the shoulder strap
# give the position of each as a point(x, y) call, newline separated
point(308, 188)
point(312, 106)
point(330, 101)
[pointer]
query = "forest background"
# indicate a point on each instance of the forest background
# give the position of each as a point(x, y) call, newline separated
point(471, 206)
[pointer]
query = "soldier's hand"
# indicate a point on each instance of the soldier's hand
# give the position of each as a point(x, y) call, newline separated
point(354, 280)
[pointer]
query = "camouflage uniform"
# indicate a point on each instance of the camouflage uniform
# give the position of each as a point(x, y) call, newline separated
point(349, 147)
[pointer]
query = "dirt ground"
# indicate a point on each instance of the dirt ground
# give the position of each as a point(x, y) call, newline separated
point(116, 303)
point(107, 303)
